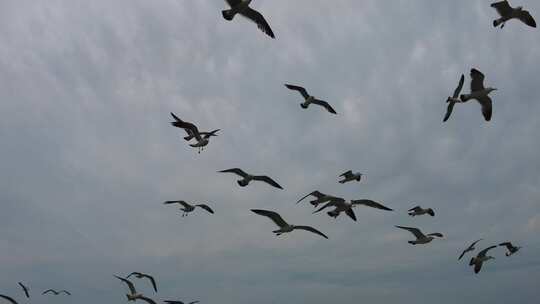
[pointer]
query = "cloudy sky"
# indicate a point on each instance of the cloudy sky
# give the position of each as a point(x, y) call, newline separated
point(88, 155)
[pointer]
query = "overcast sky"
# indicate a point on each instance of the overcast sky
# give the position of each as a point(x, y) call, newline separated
point(88, 155)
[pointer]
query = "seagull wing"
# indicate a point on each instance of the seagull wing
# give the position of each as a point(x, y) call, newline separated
point(205, 207)
point(329, 204)
point(183, 203)
point(347, 174)
point(233, 3)
point(130, 285)
point(503, 8)
point(25, 289)
point(140, 297)
point(274, 216)
point(459, 87)
point(526, 18)
point(315, 193)
point(189, 127)
point(483, 252)
point(351, 214)
point(437, 234)
point(66, 292)
point(371, 204)
point(258, 18)
point(49, 290)
point(151, 278)
point(486, 104)
point(477, 82)
point(299, 89)
point(325, 104)
point(475, 242)
point(462, 254)
point(236, 171)
point(268, 180)
point(449, 110)
point(174, 302)
point(310, 229)
point(138, 273)
point(211, 133)
point(507, 245)
point(194, 302)
point(9, 299)
point(417, 233)
point(417, 208)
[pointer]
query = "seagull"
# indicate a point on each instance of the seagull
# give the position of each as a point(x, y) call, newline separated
point(455, 98)
point(420, 237)
point(202, 138)
point(132, 295)
point(420, 211)
point(25, 289)
point(56, 292)
point(320, 198)
point(283, 226)
point(342, 206)
point(10, 299)
point(470, 248)
point(246, 178)
point(242, 7)
point(187, 208)
point(350, 176)
point(180, 302)
point(310, 99)
point(141, 297)
point(140, 275)
point(480, 93)
point(480, 259)
point(507, 12)
point(511, 248)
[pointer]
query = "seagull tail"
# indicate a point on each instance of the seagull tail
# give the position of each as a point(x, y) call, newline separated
point(228, 14)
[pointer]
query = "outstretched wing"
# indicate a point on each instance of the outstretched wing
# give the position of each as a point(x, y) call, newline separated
point(459, 87)
point(475, 242)
point(526, 18)
point(502, 7)
point(437, 234)
point(151, 278)
point(371, 204)
point(49, 290)
point(449, 110)
point(194, 302)
point(10, 299)
point(325, 104)
point(130, 285)
point(174, 302)
point(190, 128)
point(311, 229)
point(205, 207)
point(417, 233)
point(483, 252)
point(417, 208)
point(274, 216)
point(66, 292)
point(315, 193)
point(351, 214)
point(268, 180)
point(477, 80)
point(347, 174)
point(236, 171)
point(25, 289)
point(299, 89)
point(258, 18)
point(183, 203)
point(485, 102)
point(233, 3)
point(329, 204)
point(507, 245)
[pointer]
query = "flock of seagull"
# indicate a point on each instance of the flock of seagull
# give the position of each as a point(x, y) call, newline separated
point(340, 205)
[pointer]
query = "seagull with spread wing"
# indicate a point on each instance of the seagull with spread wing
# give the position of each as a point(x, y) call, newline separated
point(193, 132)
point(420, 237)
point(187, 208)
point(507, 12)
point(132, 295)
point(247, 178)
point(342, 206)
point(56, 292)
point(421, 211)
point(320, 198)
point(283, 226)
point(480, 93)
point(349, 176)
point(310, 99)
point(25, 289)
point(140, 275)
point(242, 7)
point(452, 100)
point(480, 259)
point(10, 299)
point(511, 248)
point(470, 248)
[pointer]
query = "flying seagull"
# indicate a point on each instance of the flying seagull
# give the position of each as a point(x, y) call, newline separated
point(310, 99)
point(246, 178)
point(507, 12)
point(511, 248)
point(10, 299)
point(56, 292)
point(202, 138)
point(283, 226)
point(140, 275)
point(455, 98)
point(350, 176)
point(242, 7)
point(420, 237)
point(180, 302)
point(470, 248)
point(420, 211)
point(480, 259)
point(320, 198)
point(342, 206)
point(25, 289)
point(187, 208)
point(480, 93)
point(132, 295)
